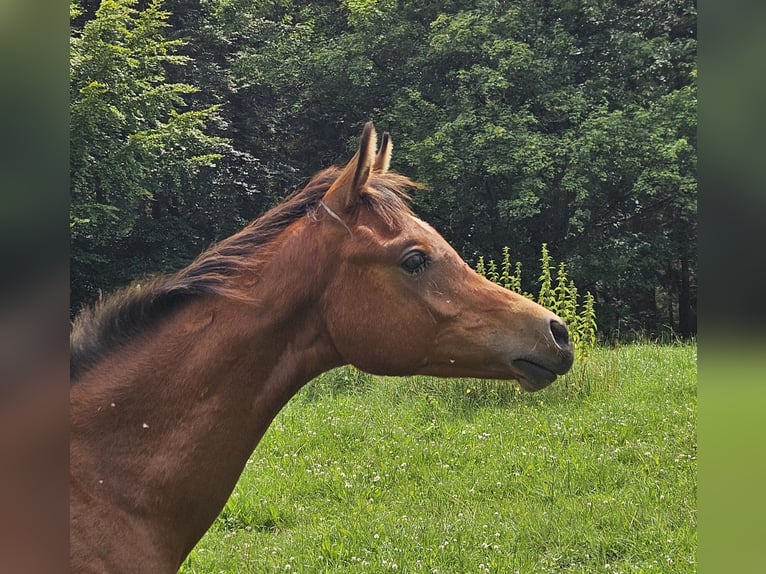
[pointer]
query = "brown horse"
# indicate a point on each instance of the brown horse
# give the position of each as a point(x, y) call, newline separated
point(175, 381)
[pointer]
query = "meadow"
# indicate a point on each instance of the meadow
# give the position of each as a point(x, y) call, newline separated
point(596, 473)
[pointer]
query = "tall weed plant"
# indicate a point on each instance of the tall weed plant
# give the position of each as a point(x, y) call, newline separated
point(557, 292)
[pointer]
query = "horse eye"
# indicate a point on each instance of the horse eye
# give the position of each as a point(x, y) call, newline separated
point(416, 262)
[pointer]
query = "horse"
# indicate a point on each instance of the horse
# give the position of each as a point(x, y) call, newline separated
point(175, 380)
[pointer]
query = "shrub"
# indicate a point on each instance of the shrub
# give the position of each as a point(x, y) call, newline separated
point(559, 294)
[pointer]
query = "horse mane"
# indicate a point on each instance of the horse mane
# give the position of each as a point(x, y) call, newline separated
point(118, 318)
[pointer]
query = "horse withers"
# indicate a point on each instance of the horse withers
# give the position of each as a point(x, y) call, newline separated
point(175, 381)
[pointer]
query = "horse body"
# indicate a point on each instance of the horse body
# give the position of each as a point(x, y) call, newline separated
point(176, 382)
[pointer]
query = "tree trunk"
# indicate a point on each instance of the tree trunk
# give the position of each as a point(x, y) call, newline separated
point(686, 321)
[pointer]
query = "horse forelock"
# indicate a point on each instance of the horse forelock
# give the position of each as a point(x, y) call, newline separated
point(118, 318)
point(386, 195)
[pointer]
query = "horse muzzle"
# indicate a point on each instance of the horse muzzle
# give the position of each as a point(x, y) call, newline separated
point(539, 370)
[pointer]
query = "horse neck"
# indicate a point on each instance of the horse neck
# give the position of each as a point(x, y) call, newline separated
point(170, 424)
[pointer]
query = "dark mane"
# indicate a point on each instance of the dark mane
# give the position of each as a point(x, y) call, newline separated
point(130, 311)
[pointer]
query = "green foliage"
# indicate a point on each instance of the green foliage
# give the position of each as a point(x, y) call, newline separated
point(75, 10)
point(559, 295)
point(546, 297)
point(587, 322)
point(135, 145)
point(560, 123)
point(510, 278)
point(480, 267)
point(565, 296)
point(492, 274)
point(567, 123)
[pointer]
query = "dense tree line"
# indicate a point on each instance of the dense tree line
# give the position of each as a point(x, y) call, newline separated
point(571, 123)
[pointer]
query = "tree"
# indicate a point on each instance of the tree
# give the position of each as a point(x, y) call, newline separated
point(135, 146)
point(571, 124)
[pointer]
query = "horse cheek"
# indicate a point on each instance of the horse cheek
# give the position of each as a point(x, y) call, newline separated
point(377, 341)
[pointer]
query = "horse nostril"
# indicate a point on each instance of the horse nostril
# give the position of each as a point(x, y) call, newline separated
point(560, 334)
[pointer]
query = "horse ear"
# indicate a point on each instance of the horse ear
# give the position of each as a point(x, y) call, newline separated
point(346, 190)
point(383, 159)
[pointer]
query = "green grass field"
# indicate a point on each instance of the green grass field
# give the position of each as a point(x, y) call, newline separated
point(597, 473)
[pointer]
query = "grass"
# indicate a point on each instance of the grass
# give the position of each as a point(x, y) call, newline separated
point(358, 473)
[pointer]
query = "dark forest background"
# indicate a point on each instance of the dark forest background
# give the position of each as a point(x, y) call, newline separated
point(571, 123)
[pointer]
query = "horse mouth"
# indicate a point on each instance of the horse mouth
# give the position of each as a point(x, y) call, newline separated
point(533, 376)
